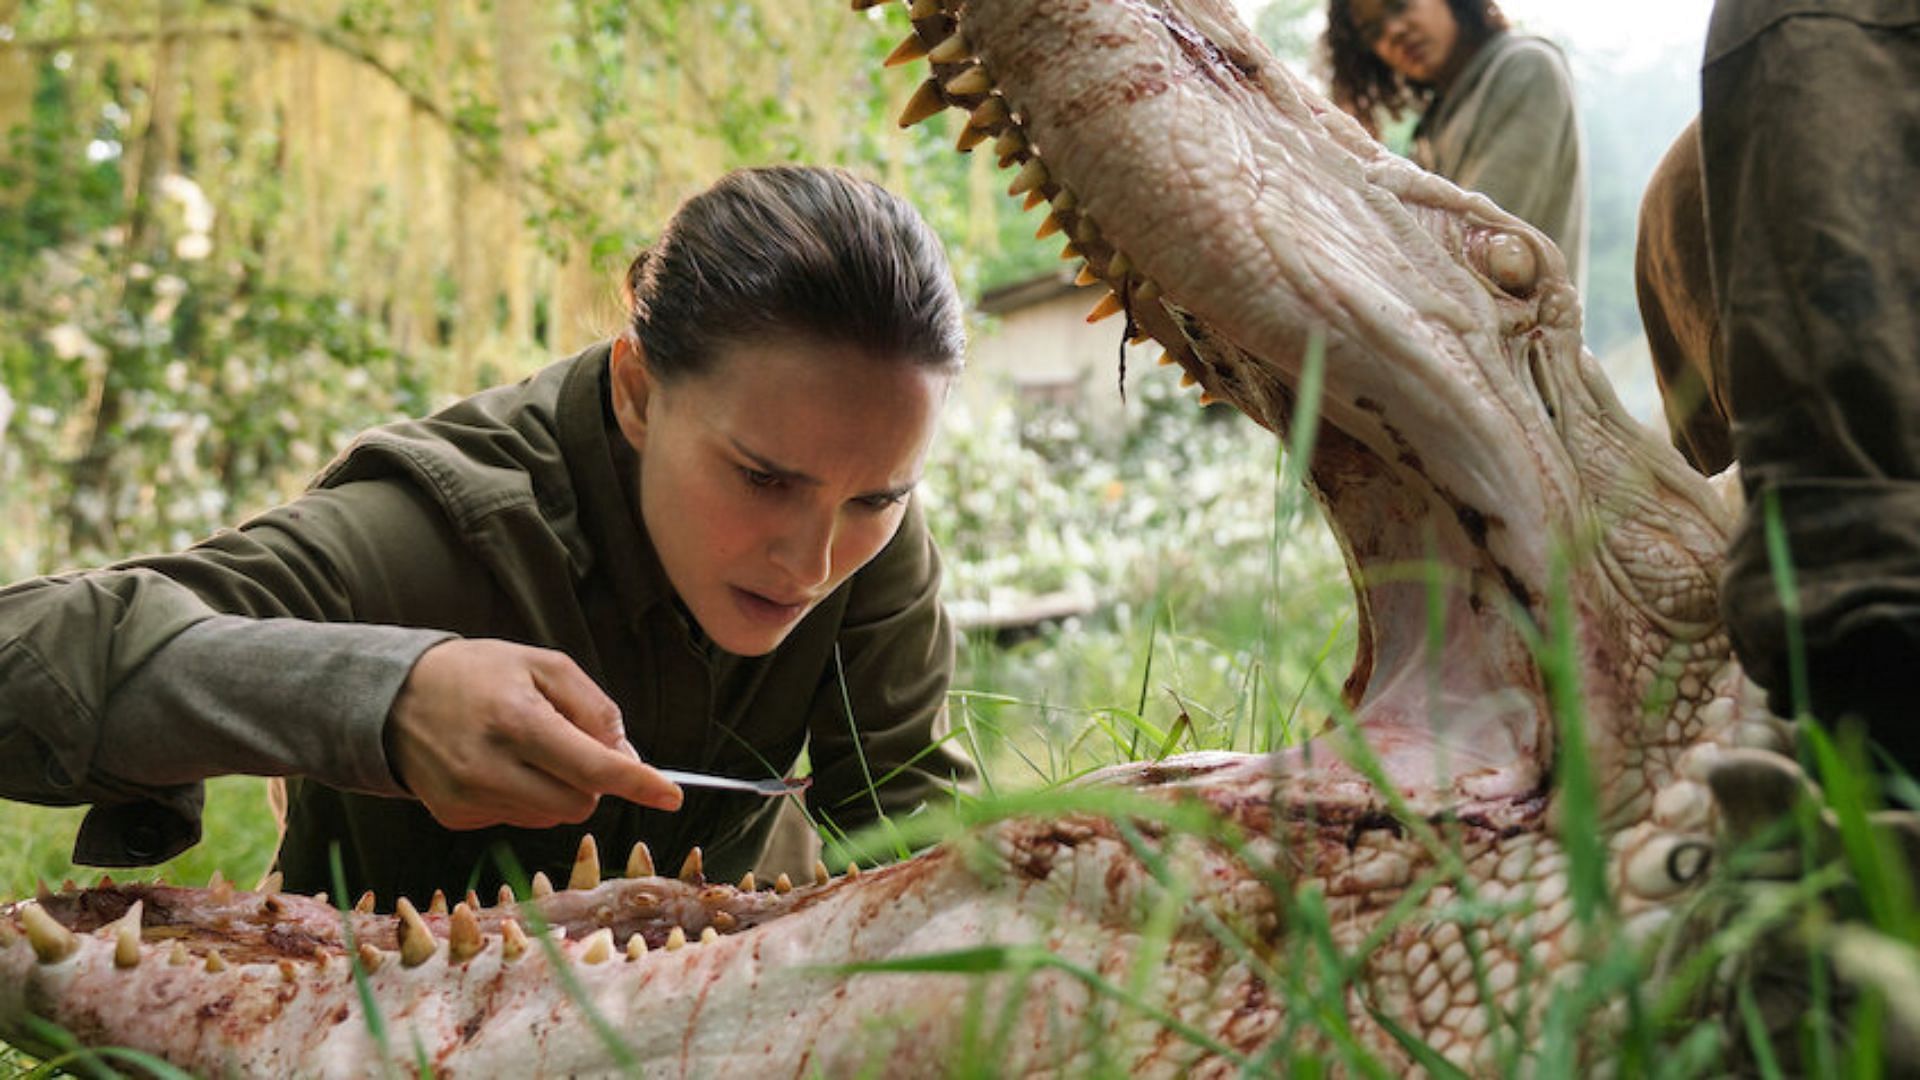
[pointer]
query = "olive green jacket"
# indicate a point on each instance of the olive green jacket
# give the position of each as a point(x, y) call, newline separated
point(509, 515)
point(1506, 127)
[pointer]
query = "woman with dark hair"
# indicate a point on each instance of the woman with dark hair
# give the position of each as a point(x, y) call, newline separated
point(693, 545)
point(1496, 108)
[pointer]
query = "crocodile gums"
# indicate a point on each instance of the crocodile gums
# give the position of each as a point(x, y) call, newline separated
point(1495, 505)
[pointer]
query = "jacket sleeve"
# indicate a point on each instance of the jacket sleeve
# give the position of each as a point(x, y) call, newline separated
point(124, 687)
point(895, 660)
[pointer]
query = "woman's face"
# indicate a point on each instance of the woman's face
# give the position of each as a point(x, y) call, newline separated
point(770, 478)
point(1416, 38)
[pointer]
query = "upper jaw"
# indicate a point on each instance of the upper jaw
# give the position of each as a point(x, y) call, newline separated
point(1236, 218)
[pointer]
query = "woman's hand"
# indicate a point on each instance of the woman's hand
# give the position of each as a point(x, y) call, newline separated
point(490, 733)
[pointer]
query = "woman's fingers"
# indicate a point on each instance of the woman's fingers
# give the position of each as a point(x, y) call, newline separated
point(489, 732)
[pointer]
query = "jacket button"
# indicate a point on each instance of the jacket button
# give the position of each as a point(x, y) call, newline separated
point(142, 840)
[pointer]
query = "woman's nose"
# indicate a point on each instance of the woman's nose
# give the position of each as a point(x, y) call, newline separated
point(804, 552)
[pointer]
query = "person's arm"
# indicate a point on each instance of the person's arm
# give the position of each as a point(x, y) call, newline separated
point(896, 654)
point(1522, 152)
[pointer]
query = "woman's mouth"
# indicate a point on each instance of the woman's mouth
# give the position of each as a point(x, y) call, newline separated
point(766, 610)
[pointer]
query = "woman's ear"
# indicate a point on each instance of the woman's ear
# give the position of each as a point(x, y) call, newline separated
point(632, 387)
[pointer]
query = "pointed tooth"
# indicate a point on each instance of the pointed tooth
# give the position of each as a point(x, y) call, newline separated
point(1086, 276)
point(636, 946)
point(955, 49)
point(1139, 337)
point(1034, 198)
point(782, 885)
point(438, 904)
point(370, 957)
point(1084, 230)
point(724, 922)
point(1031, 175)
point(1119, 265)
point(598, 948)
point(473, 901)
point(271, 907)
point(542, 884)
point(709, 936)
point(853, 869)
point(1108, 307)
point(320, 898)
point(505, 895)
point(416, 941)
point(926, 101)
point(1010, 142)
point(463, 935)
point(862, 5)
point(990, 113)
point(364, 905)
point(272, 883)
point(1147, 291)
point(105, 881)
point(640, 860)
point(693, 870)
point(820, 875)
point(215, 964)
point(586, 865)
point(51, 942)
point(747, 883)
point(1187, 379)
point(219, 888)
point(974, 80)
point(1048, 226)
point(907, 51)
point(513, 940)
point(1166, 360)
point(126, 938)
point(177, 956)
point(1065, 200)
point(970, 137)
point(676, 939)
point(1069, 250)
point(1207, 399)
point(925, 9)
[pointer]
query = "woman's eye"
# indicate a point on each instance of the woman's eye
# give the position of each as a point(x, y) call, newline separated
point(758, 478)
point(880, 502)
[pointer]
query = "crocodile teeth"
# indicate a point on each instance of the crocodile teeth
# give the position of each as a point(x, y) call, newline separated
point(709, 936)
point(926, 101)
point(1166, 360)
point(437, 905)
point(1187, 379)
point(820, 875)
point(862, 5)
point(1010, 142)
point(724, 922)
point(416, 941)
point(1086, 276)
point(177, 956)
point(1065, 200)
point(51, 942)
point(1032, 175)
point(1207, 399)
point(782, 885)
point(126, 938)
point(853, 869)
point(473, 900)
point(1147, 291)
point(1034, 198)
point(1118, 266)
point(364, 905)
point(599, 947)
point(505, 896)
point(370, 958)
point(586, 865)
point(953, 50)
point(542, 884)
point(513, 940)
point(747, 884)
point(693, 871)
point(463, 936)
point(640, 860)
point(974, 80)
point(907, 51)
point(271, 883)
point(1070, 251)
point(636, 946)
point(1108, 307)
point(990, 113)
point(215, 965)
point(925, 9)
point(676, 939)
point(219, 888)
point(970, 137)
point(1048, 226)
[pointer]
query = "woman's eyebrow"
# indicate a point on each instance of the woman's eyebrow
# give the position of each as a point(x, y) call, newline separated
point(794, 476)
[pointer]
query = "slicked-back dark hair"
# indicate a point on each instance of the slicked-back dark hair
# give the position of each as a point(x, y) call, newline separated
point(793, 250)
point(1364, 86)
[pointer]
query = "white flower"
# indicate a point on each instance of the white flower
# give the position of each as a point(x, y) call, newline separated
point(72, 343)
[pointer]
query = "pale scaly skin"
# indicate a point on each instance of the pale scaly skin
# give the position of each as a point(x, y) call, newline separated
point(1463, 426)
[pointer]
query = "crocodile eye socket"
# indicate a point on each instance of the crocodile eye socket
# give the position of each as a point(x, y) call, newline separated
point(1512, 264)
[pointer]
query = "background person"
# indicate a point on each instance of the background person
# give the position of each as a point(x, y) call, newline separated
point(1497, 108)
point(695, 541)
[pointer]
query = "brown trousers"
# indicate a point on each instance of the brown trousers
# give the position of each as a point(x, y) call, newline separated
point(1809, 151)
